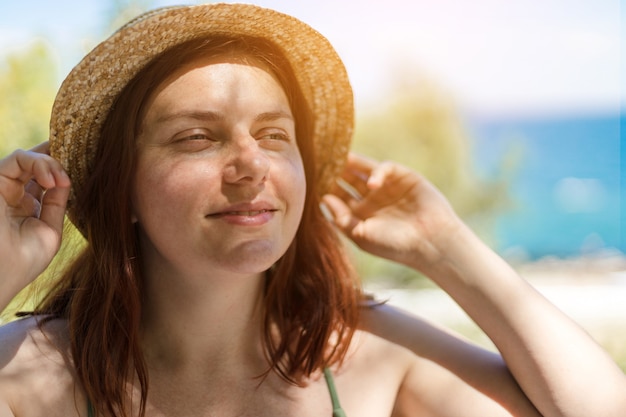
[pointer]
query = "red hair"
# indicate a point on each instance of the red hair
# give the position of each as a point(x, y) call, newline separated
point(311, 295)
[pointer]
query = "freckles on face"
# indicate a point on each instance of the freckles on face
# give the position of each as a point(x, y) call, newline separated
point(219, 180)
point(165, 186)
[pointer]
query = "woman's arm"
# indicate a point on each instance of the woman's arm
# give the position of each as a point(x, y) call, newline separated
point(559, 367)
point(33, 194)
point(399, 215)
point(450, 376)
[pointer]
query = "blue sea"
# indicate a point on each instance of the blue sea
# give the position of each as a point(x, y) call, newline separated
point(566, 185)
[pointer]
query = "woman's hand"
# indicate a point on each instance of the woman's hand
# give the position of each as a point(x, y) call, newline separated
point(33, 193)
point(392, 212)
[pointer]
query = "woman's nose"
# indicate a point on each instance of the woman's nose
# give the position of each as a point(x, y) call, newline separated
point(248, 163)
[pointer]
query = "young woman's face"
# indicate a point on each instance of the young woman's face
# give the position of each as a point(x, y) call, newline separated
point(219, 183)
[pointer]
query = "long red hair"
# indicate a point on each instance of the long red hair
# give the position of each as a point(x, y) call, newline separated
point(311, 295)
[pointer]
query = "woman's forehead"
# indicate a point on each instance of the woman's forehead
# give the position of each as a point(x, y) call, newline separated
point(232, 59)
point(216, 81)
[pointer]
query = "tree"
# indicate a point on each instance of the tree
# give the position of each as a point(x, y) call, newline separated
point(27, 87)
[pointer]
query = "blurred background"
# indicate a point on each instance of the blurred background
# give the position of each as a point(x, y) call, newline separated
point(513, 109)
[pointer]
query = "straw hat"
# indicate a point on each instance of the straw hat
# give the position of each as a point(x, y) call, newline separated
point(85, 97)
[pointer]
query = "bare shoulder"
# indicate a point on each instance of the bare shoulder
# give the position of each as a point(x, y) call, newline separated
point(371, 375)
point(439, 365)
point(383, 378)
point(36, 373)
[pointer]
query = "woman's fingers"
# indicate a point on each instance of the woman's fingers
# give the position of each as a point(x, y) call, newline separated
point(364, 174)
point(43, 147)
point(53, 207)
point(357, 172)
point(34, 190)
point(353, 186)
point(34, 184)
point(360, 163)
point(29, 204)
point(23, 166)
point(342, 215)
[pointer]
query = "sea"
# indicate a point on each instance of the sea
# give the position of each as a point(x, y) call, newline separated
point(565, 181)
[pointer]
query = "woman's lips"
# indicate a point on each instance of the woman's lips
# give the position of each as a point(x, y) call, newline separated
point(246, 215)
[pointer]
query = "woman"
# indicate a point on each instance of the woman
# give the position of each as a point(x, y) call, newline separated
point(200, 142)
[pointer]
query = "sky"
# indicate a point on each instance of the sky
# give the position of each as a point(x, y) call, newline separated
point(493, 56)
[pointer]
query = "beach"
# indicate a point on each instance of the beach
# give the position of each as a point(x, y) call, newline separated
point(591, 290)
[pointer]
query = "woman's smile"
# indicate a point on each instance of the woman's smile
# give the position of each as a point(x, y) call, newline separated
point(253, 214)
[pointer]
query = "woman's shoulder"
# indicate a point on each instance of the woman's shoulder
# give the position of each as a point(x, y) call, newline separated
point(30, 341)
point(369, 378)
point(36, 372)
point(419, 376)
point(367, 347)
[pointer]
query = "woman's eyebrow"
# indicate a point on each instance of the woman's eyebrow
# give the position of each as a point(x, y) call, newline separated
point(273, 115)
point(211, 116)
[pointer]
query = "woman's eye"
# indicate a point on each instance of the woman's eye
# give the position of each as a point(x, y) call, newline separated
point(276, 136)
point(193, 140)
point(275, 139)
point(197, 136)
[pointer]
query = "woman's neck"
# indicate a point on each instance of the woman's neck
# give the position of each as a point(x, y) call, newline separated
point(213, 324)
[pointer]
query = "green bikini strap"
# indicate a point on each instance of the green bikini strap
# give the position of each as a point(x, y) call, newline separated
point(337, 410)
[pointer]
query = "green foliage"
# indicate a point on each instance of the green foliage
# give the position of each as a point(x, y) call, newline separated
point(419, 126)
point(27, 88)
point(73, 243)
